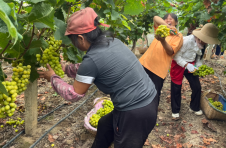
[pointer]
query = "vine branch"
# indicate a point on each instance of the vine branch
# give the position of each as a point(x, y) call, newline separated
point(28, 46)
point(8, 58)
point(21, 4)
point(43, 30)
point(5, 48)
point(69, 10)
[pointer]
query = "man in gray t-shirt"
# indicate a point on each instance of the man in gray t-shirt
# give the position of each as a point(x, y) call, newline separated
point(115, 70)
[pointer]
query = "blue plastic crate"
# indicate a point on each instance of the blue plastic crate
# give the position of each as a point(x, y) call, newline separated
point(223, 101)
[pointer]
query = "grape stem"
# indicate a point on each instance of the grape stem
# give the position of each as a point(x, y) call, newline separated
point(21, 4)
point(43, 30)
point(27, 48)
point(5, 48)
point(69, 10)
point(8, 58)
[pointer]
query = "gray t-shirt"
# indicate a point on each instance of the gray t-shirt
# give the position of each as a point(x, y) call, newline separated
point(115, 70)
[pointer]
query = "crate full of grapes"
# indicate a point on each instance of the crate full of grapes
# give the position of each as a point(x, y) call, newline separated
point(213, 105)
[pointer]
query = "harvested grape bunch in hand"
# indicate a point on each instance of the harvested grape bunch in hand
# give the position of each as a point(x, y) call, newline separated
point(203, 71)
point(162, 31)
point(51, 55)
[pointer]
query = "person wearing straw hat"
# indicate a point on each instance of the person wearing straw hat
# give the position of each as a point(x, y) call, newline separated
point(115, 70)
point(185, 62)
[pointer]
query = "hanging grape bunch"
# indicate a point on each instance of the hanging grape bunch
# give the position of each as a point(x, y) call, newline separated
point(7, 105)
point(107, 108)
point(21, 75)
point(162, 31)
point(51, 55)
point(203, 71)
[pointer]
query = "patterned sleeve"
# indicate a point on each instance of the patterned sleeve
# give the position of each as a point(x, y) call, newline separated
point(71, 70)
point(65, 90)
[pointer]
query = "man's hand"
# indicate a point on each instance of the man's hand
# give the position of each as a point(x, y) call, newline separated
point(47, 74)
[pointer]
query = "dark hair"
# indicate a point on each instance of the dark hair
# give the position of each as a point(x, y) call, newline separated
point(174, 16)
point(97, 36)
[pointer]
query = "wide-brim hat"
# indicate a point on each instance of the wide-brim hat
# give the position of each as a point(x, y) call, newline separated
point(208, 34)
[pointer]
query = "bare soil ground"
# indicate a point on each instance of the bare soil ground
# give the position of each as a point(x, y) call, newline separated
point(189, 131)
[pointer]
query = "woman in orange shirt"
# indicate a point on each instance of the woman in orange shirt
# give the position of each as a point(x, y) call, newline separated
point(157, 59)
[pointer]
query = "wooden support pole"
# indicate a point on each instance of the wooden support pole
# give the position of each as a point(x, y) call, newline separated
point(31, 113)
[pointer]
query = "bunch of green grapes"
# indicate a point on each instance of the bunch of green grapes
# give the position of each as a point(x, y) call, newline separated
point(162, 31)
point(21, 75)
point(100, 112)
point(203, 71)
point(7, 105)
point(211, 100)
point(94, 120)
point(218, 105)
point(15, 122)
point(107, 108)
point(51, 55)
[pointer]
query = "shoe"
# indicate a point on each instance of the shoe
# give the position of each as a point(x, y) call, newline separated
point(176, 115)
point(198, 113)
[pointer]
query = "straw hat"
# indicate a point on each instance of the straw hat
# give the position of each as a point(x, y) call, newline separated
point(208, 34)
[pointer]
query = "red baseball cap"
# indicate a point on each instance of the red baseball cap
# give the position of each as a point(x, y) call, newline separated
point(82, 22)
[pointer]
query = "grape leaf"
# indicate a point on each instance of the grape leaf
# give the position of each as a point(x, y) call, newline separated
point(114, 15)
point(5, 12)
point(60, 31)
point(2, 89)
point(133, 7)
point(34, 74)
point(111, 2)
point(42, 12)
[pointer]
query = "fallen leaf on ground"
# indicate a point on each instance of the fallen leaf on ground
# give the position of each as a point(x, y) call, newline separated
point(179, 145)
point(187, 145)
point(50, 138)
point(208, 141)
point(166, 139)
point(183, 97)
point(43, 98)
point(183, 129)
point(194, 132)
point(206, 123)
point(177, 138)
point(3, 143)
point(156, 146)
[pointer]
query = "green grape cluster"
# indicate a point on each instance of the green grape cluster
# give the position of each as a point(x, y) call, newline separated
point(15, 122)
point(203, 71)
point(216, 104)
point(162, 31)
point(107, 108)
point(94, 120)
point(7, 105)
point(21, 75)
point(51, 55)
